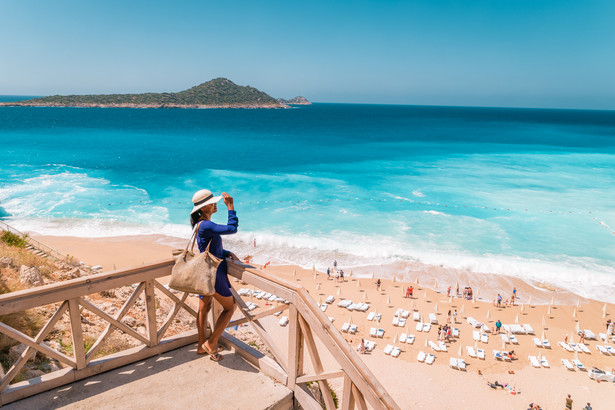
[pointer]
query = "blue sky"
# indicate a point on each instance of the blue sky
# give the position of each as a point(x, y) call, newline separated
point(518, 53)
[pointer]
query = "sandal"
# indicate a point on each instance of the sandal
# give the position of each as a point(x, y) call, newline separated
point(213, 355)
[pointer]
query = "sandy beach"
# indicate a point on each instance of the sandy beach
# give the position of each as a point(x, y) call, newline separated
point(418, 385)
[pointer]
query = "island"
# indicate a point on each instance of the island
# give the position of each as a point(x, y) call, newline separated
point(295, 101)
point(217, 93)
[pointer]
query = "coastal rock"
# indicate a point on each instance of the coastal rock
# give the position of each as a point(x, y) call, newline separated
point(16, 351)
point(129, 321)
point(30, 276)
point(6, 262)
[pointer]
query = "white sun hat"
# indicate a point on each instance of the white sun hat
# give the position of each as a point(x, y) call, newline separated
point(202, 198)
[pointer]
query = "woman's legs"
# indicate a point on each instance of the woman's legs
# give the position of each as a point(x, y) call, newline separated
point(201, 322)
point(228, 307)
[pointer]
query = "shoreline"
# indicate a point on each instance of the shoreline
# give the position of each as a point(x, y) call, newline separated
point(157, 106)
point(546, 386)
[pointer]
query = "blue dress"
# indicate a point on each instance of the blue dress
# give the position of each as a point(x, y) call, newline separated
point(211, 232)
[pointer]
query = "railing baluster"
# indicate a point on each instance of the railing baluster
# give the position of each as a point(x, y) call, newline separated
point(76, 332)
point(150, 313)
point(295, 351)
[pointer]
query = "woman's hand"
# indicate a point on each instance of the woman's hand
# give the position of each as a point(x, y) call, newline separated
point(233, 257)
point(228, 200)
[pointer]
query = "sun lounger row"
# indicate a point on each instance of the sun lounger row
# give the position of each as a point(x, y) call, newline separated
point(541, 343)
point(478, 336)
point(606, 350)
point(433, 319)
point(571, 366)
point(251, 305)
point(401, 322)
point(349, 328)
point(374, 316)
point(369, 345)
point(588, 334)
point(402, 313)
point(375, 332)
point(283, 321)
point(404, 338)
point(458, 364)
point(428, 358)
point(480, 353)
point(330, 299)
point(392, 350)
point(474, 323)
point(423, 327)
point(416, 317)
point(524, 329)
point(538, 363)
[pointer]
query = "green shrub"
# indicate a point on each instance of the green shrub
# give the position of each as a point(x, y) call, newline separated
point(12, 239)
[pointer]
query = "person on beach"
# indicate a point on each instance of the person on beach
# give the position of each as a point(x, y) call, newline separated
point(209, 233)
point(499, 300)
point(569, 402)
point(362, 346)
point(411, 290)
point(328, 273)
point(455, 317)
point(334, 264)
point(498, 326)
point(582, 339)
point(449, 315)
point(378, 283)
point(457, 291)
point(448, 292)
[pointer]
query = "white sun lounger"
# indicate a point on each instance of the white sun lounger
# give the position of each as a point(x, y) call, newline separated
point(513, 339)
point(579, 365)
point(471, 351)
point(410, 339)
point(398, 312)
point(272, 298)
point(421, 356)
point(251, 305)
point(565, 346)
point(353, 329)
point(434, 346)
point(517, 329)
point(402, 322)
point(283, 321)
point(537, 341)
point(388, 349)
point(344, 303)
point(416, 317)
point(370, 345)
point(546, 344)
point(476, 335)
point(461, 364)
point(484, 338)
point(610, 349)
point(396, 351)
point(505, 356)
point(331, 319)
point(474, 323)
point(576, 347)
point(324, 307)
point(371, 316)
point(480, 353)
point(455, 332)
point(504, 338)
point(442, 346)
point(403, 337)
point(380, 333)
point(395, 321)
point(544, 362)
point(330, 299)
point(567, 364)
point(528, 329)
point(534, 361)
point(486, 329)
point(602, 336)
point(345, 327)
point(584, 348)
point(497, 355)
point(603, 350)
point(405, 314)
point(373, 332)
point(589, 334)
point(419, 327)
point(430, 358)
point(433, 319)
point(426, 327)
point(277, 313)
point(453, 363)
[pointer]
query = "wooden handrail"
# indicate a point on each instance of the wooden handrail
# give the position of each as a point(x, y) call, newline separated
point(307, 323)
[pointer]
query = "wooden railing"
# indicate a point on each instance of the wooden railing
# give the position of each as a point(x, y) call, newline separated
point(308, 328)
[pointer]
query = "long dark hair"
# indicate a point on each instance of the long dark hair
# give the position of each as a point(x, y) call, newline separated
point(194, 217)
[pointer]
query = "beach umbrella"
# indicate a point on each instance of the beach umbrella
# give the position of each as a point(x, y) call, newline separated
point(313, 268)
point(476, 345)
point(579, 304)
point(572, 339)
point(473, 299)
point(295, 272)
point(488, 314)
point(394, 280)
point(395, 339)
point(503, 345)
point(604, 311)
point(456, 286)
point(463, 308)
point(517, 318)
point(417, 281)
point(478, 292)
point(450, 300)
point(544, 334)
point(413, 305)
point(426, 342)
point(552, 300)
point(350, 319)
point(339, 291)
point(425, 296)
point(364, 296)
point(388, 300)
point(350, 273)
point(436, 308)
point(435, 284)
point(529, 302)
point(460, 351)
point(574, 313)
point(549, 311)
point(320, 300)
point(522, 307)
point(544, 322)
point(373, 275)
point(315, 276)
point(359, 283)
point(576, 355)
point(578, 327)
point(318, 286)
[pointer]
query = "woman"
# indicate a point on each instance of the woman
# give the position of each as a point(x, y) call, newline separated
point(205, 205)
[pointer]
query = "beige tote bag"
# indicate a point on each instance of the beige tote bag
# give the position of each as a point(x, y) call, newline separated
point(194, 273)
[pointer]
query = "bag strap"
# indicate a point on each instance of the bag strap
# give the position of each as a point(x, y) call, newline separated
point(192, 241)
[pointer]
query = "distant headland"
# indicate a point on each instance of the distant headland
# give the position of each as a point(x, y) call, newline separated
point(217, 93)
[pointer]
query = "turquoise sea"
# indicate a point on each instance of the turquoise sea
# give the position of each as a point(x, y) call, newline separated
point(525, 192)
